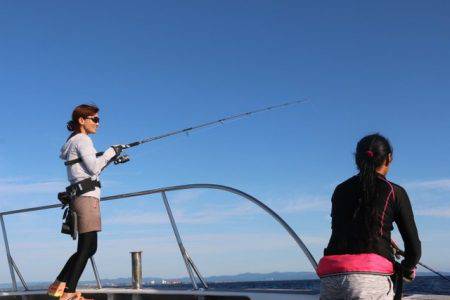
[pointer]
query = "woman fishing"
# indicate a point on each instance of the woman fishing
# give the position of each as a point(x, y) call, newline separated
point(84, 177)
point(358, 260)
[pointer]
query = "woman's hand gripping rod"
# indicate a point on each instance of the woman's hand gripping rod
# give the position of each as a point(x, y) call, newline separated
point(398, 252)
point(125, 158)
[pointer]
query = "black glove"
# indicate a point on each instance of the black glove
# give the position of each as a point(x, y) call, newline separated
point(408, 273)
point(118, 149)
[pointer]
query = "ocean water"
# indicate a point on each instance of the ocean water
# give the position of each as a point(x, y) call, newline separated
point(421, 285)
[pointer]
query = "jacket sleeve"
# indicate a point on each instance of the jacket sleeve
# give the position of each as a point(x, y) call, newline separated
point(86, 151)
point(334, 207)
point(404, 218)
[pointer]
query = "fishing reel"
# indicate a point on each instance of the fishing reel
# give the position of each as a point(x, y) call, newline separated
point(121, 159)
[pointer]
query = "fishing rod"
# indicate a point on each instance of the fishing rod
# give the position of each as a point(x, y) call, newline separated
point(400, 252)
point(123, 159)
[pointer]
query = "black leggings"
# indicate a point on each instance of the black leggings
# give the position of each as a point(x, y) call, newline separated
point(71, 273)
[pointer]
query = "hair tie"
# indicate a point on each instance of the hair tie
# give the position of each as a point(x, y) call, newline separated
point(71, 125)
point(369, 153)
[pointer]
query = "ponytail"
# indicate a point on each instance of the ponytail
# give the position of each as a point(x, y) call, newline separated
point(71, 125)
point(372, 152)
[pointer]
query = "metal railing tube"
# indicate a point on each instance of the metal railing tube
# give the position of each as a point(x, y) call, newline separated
point(163, 191)
point(196, 270)
point(180, 243)
point(278, 219)
point(97, 277)
point(24, 284)
point(8, 255)
point(18, 211)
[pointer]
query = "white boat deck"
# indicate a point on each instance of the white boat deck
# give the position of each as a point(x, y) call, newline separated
point(156, 294)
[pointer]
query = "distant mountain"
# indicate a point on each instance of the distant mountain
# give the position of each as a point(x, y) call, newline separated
point(274, 276)
point(126, 281)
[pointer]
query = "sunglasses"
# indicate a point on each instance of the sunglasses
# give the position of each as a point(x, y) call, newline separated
point(94, 119)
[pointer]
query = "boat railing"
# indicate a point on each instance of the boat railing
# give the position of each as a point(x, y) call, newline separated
point(191, 268)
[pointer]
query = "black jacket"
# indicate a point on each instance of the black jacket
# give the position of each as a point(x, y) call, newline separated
point(349, 235)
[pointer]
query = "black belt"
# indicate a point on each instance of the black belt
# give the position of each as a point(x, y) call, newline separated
point(82, 187)
point(78, 189)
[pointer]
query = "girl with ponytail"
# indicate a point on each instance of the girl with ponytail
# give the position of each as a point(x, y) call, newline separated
point(358, 260)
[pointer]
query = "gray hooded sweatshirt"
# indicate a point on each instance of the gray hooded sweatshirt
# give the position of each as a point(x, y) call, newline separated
point(81, 146)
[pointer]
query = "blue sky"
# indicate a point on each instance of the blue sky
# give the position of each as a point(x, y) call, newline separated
point(157, 66)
